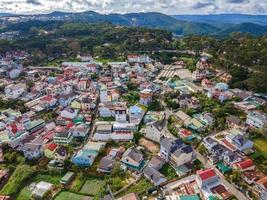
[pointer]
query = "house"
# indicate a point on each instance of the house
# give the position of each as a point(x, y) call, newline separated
point(234, 122)
point(40, 189)
point(207, 119)
point(35, 126)
point(239, 141)
point(62, 135)
point(61, 154)
point(231, 158)
point(156, 162)
point(80, 130)
point(69, 113)
point(206, 177)
point(103, 132)
point(245, 106)
point(87, 155)
point(120, 113)
point(105, 110)
point(261, 187)
point(245, 165)
point(106, 164)
point(84, 157)
point(209, 143)
point(154, 176)
point(154, 130)
point(257, 119)
point(133, 159)
point(145, 97)
point(136, 114)
point(218, 152)
point(50, 150)
point(67, 178)
point(66, 99)
point(182, 117)
point(31, 147)
point(176, 152)
point(220, 92)
point(14, 91)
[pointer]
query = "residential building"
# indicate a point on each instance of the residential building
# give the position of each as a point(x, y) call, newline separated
point(62, 135)
point(133, 159)
point(206, 177)
point(246, 165)
point(154, 176)
point(257, 119)
point(15, 91)
point(261, 187)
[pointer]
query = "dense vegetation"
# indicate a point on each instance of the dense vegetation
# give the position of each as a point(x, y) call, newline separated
point(21, 174)
point(243, 56)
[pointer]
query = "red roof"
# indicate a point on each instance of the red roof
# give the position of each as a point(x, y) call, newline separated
point(14, 128)
point(47, 98)
point(70, 124)
point(206, 174)
point(52, 146)
point(245, 164)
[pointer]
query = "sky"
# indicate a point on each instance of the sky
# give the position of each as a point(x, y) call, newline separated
point(126, 6)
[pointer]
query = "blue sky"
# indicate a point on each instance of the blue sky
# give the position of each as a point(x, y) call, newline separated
point(125, 6)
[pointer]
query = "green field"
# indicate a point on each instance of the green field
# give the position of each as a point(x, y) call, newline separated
point(92, 186)
point(141, 186)
point(50, 178)
point(261, 145)
point(68, 195)
point(24, 194)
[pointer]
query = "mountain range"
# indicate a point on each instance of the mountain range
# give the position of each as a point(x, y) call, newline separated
point(219, 25)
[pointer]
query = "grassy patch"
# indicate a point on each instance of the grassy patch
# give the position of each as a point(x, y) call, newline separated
point(24, 194)
point(140, 187)
point(261, 145)
point(168, 172)
point(69, 195)
point(21, 174)
point(92, 186)
point(78, 182)
point(50, 178)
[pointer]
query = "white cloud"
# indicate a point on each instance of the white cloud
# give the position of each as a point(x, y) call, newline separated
point(124, 6)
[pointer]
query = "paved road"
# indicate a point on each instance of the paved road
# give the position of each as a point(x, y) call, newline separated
point(231, 188)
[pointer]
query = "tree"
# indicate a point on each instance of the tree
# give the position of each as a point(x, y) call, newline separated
point(236, 176)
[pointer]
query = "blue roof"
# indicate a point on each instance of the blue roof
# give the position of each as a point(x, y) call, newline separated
point(222, 86)
point(135, 109)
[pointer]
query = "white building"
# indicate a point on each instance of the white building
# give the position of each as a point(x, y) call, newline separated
point(15, 91)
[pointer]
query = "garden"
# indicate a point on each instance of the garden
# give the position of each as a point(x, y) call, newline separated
point(92, 186)
point(69, 195)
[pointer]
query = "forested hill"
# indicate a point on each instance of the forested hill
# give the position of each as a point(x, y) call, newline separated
point(175, 24)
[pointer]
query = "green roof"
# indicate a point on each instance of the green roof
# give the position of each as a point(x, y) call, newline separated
point(189, 197)
point(35, 123)
point(223, 168)
point(67, 177)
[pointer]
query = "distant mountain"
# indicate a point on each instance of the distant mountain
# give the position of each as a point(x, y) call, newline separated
point(148, 19)
point(6, 14)
point(219, 25)
point(251, 28)
point(220, 19)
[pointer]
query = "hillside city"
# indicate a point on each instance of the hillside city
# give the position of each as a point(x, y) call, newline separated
point(136, 106)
